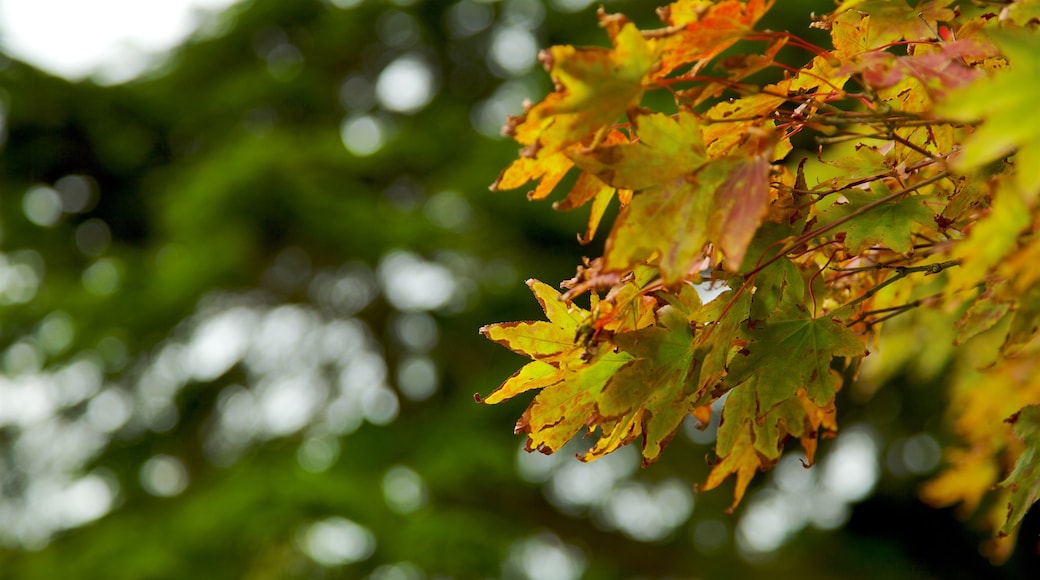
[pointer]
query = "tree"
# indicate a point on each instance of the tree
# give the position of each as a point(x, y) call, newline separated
point(215, 284)
point(910, 227)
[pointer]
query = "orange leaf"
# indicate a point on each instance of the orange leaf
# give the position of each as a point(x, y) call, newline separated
point(594, 87)
point(549, 170)
point(742, 460)
point(697, 33)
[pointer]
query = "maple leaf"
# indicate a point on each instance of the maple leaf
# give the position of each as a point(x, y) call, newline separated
point(940, 70)
point(741, 203)
point(589, 188)
point(991, 239)
point(970, 475)
point(889, 21)
point(670, 221)
point(666, 148)
point(1006, 107)
point(740, 459)
point(699, 31)
point(983, 314)
point(652, 394)
point(595, 86)
point(541, 339)
point(548, 170)
point(675, 220)
point(569, 383)
point(792, 349)
point(888, 225)
point(1024, 481)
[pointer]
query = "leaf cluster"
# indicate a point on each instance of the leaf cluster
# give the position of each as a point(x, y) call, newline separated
point(921, 196)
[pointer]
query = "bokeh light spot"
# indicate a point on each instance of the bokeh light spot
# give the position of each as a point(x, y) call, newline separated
point(318, 454)
point(364, 135)
point(93, 237)
point(78, 193)
point(164, 476)
point(417, 378)
point(514, 50)
point(403, 490)
point(406, 85)
point(545, 557)
point(336, 541)
point(466, 18)
point(42, 206)
point(102, 277)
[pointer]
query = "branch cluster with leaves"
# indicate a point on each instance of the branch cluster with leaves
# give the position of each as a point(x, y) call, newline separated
point(921, 196)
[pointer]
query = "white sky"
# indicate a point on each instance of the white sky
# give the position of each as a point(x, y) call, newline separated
point(113, 38)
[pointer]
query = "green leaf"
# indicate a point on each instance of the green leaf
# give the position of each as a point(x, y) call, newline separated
point(1024, 481)
point(888, 225)
point(793, 350)
point(657, 388)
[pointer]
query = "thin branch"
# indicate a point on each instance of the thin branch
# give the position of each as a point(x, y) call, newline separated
point(903, 272)
point(843, 220)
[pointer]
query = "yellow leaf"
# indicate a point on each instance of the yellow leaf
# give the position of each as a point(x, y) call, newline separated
point(742, 460)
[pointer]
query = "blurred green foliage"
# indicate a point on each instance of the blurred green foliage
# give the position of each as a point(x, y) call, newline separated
point(222, 181)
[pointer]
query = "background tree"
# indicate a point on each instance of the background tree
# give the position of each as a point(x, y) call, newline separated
point(239, 301)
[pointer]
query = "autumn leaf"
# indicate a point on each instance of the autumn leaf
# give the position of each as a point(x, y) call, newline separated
point(541, 339)
point(569, 382)
point(741, 203)
point(653, 393)
point(741, 459)
point(675, 220)
point(698, 31)
point(595, 86)
point(940, 69)
point(1006, 106)
point(548, 170)
point(971, 474)
point(990, 240)
point(666, 148)
point(1024, 481)
point(893, 20)
point(983, 314)
point(701, 200)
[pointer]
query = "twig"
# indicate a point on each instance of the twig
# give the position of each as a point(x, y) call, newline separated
point(902, 272)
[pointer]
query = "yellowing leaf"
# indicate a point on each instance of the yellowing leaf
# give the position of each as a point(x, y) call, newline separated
point(971, 475)
point(990, 240)
point(539, 339)
point(741, 203)
point(670, 221)
point(697, 31)
point(893, 20)
point(675, 220)
point(1006, 105)
point(1024, 481)
point(549, 170)
point(654, 392)
point(667, 148)
point(595, 86)
point(742, 460)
